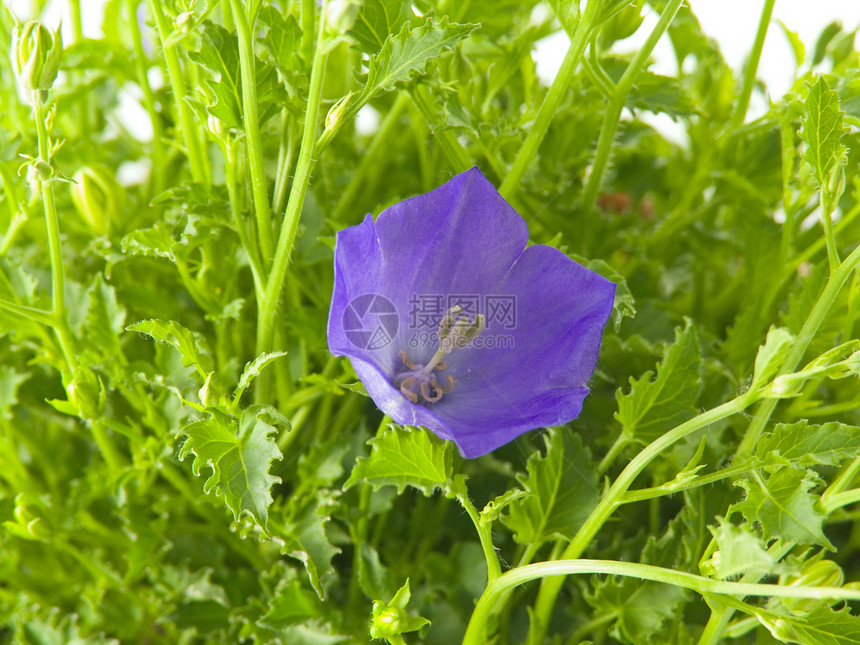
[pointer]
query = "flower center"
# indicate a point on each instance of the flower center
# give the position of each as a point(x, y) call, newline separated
point(455, 332)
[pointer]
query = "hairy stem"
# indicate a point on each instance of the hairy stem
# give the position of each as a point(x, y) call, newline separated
point(193, 145)
point(251, 122)
point(550, 104)
point(268, 307)
point(752, 64)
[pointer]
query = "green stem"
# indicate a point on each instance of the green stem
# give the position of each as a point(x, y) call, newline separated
point(801, 342)
point(193, 146)
point(251, 121)
point(498, 588)
point(617, 448)
point(752, 64)
point(551, 102)
point(612, 114)
point(370, 158)
point(39, 315)
point(58, 278)
point(78, 32)
point(285, 163)
point(839, 500)
point(451, 147)
point(246, 240)
point(268, 307)
point(829, 236)
point(614, 497)
point(308, 18)
point(485, 535)
point(159, 160)
point(17, 217)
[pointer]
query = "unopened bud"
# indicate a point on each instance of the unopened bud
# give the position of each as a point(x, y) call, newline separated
point(184, 21)
point(97, 196)
point(35, 54)
point(340, 15)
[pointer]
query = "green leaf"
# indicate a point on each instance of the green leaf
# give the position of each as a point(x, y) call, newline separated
point(252, 370)
point(303, 536)
point(563, 487)
point(654, 406)
point(624, 305)
point(405, 457)
point(658, 94)
point(809, 445)
point(405, 55)
point(783, 506)
point(105, 318)
point(10, 381)
point(822, 626)
point(240, 456)
point(190, 345)
point(796, 43)
point(740, 551)
point(641, 608)
point(219, 53)
point(377, 19)
point(771, 356)
point(822, 130)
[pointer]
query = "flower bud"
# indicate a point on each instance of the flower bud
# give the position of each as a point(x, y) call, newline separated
point(824, 573)
point(387, 621)
point(97, 196)
point(184, 22)
point(341, 14)
point(35, 54)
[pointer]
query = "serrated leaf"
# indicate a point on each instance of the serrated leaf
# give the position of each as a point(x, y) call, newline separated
point(156, 241)
point(810, 445)
point(377, 19)
point(219, 53)
point(10, 381)
point(740, 551)
point(240, 456)
point(563, 487)
point(822, 130)
point(252, 370)
point(658, 94)
point(105, 318)
point(822, 626)
point(771, 355)
point(783, 506)
point(190, 345)
point(641, 609)
point(405, 457)
point(654, 406)
point(405, 55)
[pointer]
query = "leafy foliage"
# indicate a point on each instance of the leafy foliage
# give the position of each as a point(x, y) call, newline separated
point(168, 475)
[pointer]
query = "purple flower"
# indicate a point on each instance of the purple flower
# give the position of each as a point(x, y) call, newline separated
point(453, 324)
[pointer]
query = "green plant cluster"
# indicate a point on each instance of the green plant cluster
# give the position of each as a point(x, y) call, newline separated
point(183, 461)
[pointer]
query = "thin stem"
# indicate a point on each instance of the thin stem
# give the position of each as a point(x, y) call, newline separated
point(247, 243)
point(700, 584)
point(752, 64)
point(485, 535)
point(159, 161)
point(801, 342)
point(269, 305)
point(286, 152)
point(17, 217)
point(839, 500)
point(83, 101)
point(553, 99)
point(58, 279)
point(613, 498)
point(829, 236)
point(617, 448)
point(612, 114)
point(39, 315)
point(456, 154)
point(193, 145)
point(251, 122)
point(371, 156)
